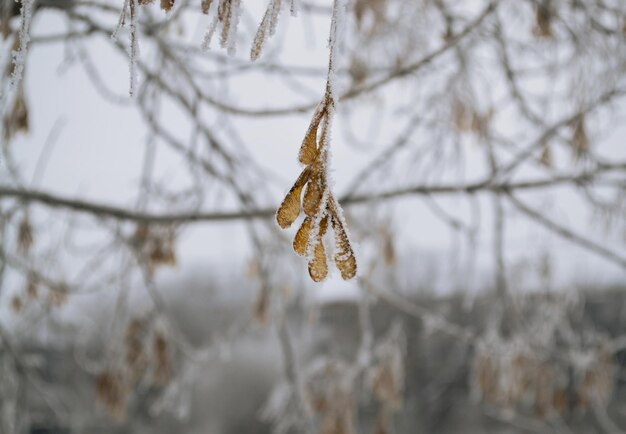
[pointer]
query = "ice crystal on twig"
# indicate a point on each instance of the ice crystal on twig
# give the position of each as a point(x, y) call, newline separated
point(266, 28)
point(226, 13)
point(133, 52)
point(19, 55)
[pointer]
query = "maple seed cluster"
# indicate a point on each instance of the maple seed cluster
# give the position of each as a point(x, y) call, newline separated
point(320, 207)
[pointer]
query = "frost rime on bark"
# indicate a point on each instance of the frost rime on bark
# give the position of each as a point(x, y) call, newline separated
point(133, 51)
point(227, 13)
point(267, 28)
point(19, 55)
point(336, 29)
point(134, 46)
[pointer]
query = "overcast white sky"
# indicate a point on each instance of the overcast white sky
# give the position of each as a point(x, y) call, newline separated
point(98, 156)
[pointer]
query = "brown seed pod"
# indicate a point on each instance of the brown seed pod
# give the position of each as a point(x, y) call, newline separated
point(224, 16)
point(25, 235)
point(317, 201)
point(289, 209)
point(259, 39)
point(323, 226)
point(344, 256)
point(308, 150)
point(167, 5)
point(302, 237)
point(313, 196)
point(17, 119)
point(262, 306)
point(318, 268)
point(579, 140)
point(546, 156)
point(17, 304)
point(206, 5)
point(112, 391)
point(31, 287)
point(163, 371)
point(543, 17)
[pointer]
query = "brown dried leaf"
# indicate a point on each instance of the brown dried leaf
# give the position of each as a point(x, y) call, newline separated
point(580, 140)
point(58, 297)
point(163, 371)
point(31, 288)
point(312, 196)
point(323, 226)
point(543, 16)
point(167, 5)
point(302, 237)
point(388, 248)
point(206, 5)
point(308, 150)
point(461, 116)
point(17, 119)
point(112, 391)
point(318, 268)
point(289, 209)
point(546, 157)
point(142, 234)
point(261, 306)
point(25, 235)
point(344, 258)
point(224, 15)
point(259, 39)
point(17, 304)
point(161, 253)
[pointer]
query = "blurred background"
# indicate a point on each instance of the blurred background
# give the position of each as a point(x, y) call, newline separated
point(477, 149)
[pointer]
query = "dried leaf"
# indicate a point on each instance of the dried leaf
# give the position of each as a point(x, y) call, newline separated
point(224, 15)
point(58, 297)
point(25, 235)
point(167, 5)
point(261, 306)
point(344, 258)
point(135, 355)
point(17, 304)
point(112, 391)
point(302, 237)
point(31, 288)
point(141, 235)
point(164, 370)
point(580, 140)
point(162, 253)
point(308, 150)
point(388, 247)
point(289, 209)
point(206, 5)
point(461, 116)
point(259, 39)
point(318, 268)
point(543, 18)
point(17, 119)
point(323, 226)
point(312, 196)
point(546, 157)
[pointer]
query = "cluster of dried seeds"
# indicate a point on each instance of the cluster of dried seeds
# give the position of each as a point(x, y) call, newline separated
point(514, 375)
point(112, 391)
point(319, 205)
point(155, 244)
point(148, 360)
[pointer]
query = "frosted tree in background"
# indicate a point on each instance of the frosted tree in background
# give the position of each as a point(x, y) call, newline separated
point(489, 116)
